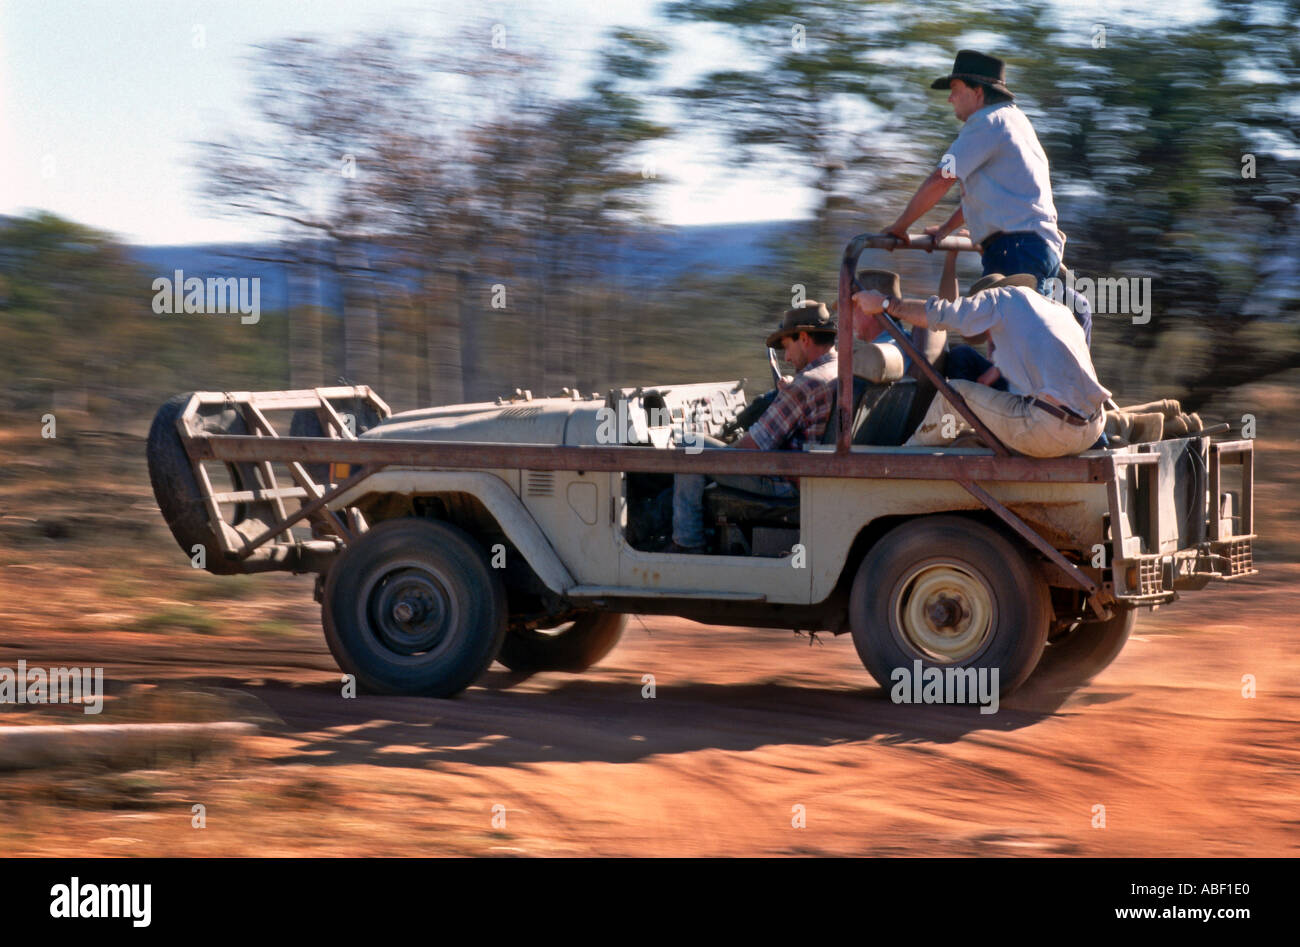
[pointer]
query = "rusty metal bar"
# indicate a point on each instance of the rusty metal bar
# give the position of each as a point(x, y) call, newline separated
point(917, 241)
point(872, 463)
point(1025, 530)
point(848, 286)
point(328, 409)
point(209, 501)
point(255, 419)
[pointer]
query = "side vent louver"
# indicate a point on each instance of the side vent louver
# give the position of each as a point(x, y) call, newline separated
point(539, 483)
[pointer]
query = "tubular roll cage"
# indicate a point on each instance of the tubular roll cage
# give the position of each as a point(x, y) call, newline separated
point(265, 446)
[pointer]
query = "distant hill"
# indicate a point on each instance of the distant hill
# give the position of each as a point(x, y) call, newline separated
point(665, 253)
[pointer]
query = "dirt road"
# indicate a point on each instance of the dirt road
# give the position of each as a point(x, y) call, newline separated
point(749, 732)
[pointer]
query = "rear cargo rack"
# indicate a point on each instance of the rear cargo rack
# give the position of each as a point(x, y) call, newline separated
point(1150, 564)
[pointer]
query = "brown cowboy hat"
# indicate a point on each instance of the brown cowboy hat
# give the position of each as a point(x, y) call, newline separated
point(812, 316)
point(885, 282)
point(975, 68)
point(994, 280)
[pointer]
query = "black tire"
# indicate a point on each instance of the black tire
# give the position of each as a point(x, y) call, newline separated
point(984, 586)
point(572, 647)
point(1084, 652)
point(427, 566)
point(177, 489)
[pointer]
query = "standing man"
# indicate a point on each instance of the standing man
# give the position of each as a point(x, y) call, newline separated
point(1006, 192)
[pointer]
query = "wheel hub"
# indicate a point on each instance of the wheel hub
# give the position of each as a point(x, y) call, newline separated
point(407, 609)
point(410, 610)
point(945, 612)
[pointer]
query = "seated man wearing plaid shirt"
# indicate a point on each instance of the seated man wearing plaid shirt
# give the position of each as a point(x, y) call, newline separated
point(796, 417)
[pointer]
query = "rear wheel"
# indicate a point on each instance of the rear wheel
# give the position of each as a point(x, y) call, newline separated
point(574, 646)
point(414, 608)
point(951, 593)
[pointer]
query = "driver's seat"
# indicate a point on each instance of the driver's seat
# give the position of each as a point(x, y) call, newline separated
point(877, 368)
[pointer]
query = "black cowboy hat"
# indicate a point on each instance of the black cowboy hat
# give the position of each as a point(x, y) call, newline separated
point(975, 68)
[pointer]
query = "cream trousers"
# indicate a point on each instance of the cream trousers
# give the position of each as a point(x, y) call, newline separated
point(1017, 423)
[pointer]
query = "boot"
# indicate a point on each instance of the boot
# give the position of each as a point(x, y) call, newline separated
point(1184, 425)
point(1131, 428)
point(1168, 408)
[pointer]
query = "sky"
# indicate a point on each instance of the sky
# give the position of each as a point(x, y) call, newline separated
point(102, 102)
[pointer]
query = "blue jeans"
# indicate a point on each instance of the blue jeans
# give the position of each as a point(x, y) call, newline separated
point(688, 500)
point(1014, 253)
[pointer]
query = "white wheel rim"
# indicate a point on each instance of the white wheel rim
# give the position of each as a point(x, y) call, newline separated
point(944, 612)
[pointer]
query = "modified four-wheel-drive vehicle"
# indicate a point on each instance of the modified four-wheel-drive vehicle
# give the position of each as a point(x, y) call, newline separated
point(525, 530)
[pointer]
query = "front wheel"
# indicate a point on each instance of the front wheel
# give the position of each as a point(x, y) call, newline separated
point(948, 592)
point(574, 646)
point(414, 608)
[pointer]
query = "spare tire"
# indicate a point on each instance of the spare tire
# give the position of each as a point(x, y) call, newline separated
point(177, 491)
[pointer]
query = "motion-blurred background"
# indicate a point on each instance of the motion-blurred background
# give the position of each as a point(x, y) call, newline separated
point(449, 201)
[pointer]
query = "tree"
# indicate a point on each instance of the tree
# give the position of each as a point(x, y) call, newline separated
point(426, 168)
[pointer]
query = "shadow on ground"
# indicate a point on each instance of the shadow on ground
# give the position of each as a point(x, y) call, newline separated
point(499, 724)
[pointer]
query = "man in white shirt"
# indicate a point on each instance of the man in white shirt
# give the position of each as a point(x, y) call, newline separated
point(1053, 405)
point(1006, 190)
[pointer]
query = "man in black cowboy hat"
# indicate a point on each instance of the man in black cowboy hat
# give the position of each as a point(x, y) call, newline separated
point(1006, 191)
point(797, 416)
point(1053, 405)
